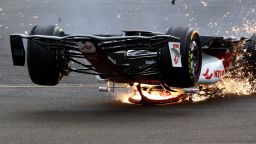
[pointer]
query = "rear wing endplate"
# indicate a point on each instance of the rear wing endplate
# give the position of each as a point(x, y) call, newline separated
point(18, 51)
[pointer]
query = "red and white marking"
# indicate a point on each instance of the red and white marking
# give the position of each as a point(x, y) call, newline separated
point(212, 70)
point(174, 48)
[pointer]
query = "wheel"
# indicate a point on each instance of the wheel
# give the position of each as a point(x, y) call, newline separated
point(182, 67)
point(43, 63)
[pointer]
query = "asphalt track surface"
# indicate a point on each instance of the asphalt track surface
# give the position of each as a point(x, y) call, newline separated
point(75, 112)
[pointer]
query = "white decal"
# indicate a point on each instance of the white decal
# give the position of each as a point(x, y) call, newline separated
point(174, 48)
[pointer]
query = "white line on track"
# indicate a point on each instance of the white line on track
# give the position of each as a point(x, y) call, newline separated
point(57, 86)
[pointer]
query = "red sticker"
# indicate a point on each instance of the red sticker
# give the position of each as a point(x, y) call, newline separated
point(206, 74)
point(176, 45)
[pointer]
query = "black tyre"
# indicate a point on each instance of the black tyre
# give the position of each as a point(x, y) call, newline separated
point(43, 63)
point(187, 74)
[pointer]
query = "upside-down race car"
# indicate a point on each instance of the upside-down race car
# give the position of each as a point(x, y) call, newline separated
point(149, 61)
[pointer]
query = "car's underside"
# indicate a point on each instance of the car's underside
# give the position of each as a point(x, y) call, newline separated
point(179, 58)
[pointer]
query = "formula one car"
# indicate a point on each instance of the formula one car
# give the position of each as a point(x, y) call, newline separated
point(149, 61)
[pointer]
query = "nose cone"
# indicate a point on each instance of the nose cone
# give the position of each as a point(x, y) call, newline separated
point(212, 70)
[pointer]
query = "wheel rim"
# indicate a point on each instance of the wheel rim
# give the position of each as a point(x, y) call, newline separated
point(195, 62)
